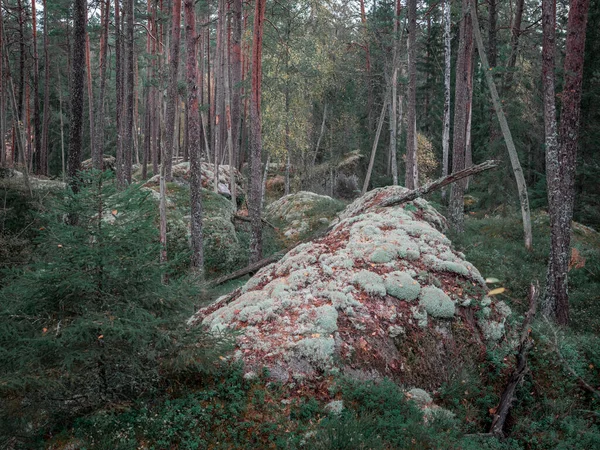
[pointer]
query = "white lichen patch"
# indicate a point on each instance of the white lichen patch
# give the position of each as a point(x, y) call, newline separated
point(436, 303)
point(370, 282)
point(401, 285)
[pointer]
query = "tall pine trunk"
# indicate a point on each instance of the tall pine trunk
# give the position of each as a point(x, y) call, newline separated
point(194, 137)
point(46, 116)
point(461, 113)
point(561, 156)
point(76, 92)
point(255, 135)
point(172, 96)
point(447, 68)
point(37, 124)
point(98, 146)
point(412, 177)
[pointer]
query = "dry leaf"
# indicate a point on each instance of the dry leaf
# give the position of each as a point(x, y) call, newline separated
point(496, 291)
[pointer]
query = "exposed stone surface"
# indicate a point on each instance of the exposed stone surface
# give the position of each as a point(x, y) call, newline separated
point(13, 179)
point(181, 175)
point(382, 294)
point(302, 212)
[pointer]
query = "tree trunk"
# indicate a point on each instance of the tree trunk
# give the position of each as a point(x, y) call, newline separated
point(321, 133)
point(512, 151)
point(561, 158)
point(514, 43)
point(37, 125)
point(172, 96)
point(194, 138)
point(129, 104)
point(46, 117)
point(120, 169)
point(255, 136)
point(412, 177)
point(461, 111)
point(394, 93)
point(447, 68)
point(76, 94)
point(375, 142)
point(236, 77)
point(492, 26)
point(228, 122)
point(98, 145)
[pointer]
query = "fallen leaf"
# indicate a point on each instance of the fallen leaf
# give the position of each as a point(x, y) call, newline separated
point(44, 330)
point(114, 212)
point(101, 336)
point(492, 280)
point(496, 291)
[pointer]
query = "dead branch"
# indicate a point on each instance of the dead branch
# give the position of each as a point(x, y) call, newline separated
point(518, 373)
point(439, 183)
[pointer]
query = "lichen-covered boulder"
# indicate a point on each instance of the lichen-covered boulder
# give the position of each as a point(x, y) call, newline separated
point(302, 213)
point(383, 294)
point(181, 175)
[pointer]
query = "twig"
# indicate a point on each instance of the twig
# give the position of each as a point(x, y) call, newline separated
point(518, 373)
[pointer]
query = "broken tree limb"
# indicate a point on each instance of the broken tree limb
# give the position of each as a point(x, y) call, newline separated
point(439, 183)
point(248, 269)
point(518, 373)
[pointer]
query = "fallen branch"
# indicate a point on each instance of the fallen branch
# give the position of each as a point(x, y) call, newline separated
point(248, 269)
point(439, 183)
point(247, 219)
point(518, 373)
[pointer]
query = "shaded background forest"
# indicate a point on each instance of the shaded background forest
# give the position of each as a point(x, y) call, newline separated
point(325, 72)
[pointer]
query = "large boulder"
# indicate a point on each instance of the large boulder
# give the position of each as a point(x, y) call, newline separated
point(301, 213)
point(181, 175)
point(383, 294)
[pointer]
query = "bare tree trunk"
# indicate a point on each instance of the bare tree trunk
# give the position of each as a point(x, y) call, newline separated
point(256, 139)
point(194, 138)
point(98, 135)
point(46, 115)
point(514, 43)
point(321, 133)
point(561, 159)
point(447, 69)
point(288, 150)
point(375, 142)
point(77, 81)
point(492, 26)
point(512, 151)
point(394, 93)
point(219, 94)
point(370, 100)
point(412, 177)
point(120, 166)
point(37, 125)
point(461, 111)
point(62, 128)
point(228, 122)
point(172, 96)
point(264, 182)
point(90, 91)
point(129, 104)
point(236, 77)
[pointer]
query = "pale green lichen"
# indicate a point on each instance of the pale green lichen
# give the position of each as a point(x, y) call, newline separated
point(419, 396)
point(382, 255)
point(402, 286)
point(318, 351)
point(327, 317)
point(301, 277)
point(436, 302)
point(370, 282)
point(341, 301)
point(420, 315)
point(503, 309)
point(396, 330)
point(492, 331)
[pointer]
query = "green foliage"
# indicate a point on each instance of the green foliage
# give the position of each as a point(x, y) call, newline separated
point(89, 321)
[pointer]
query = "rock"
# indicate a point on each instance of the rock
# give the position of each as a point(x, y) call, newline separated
point(108, 163)
point(336, 305)
point(302, 213)
point(335, 407)
point(13, 179)
point(181, 175)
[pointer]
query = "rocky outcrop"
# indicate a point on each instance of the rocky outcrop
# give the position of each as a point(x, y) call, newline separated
point(301, 213)
point(181, 175)
point(383, 294)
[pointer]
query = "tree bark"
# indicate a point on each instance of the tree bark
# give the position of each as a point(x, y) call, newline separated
point(394, 93)
point(129, 105)
point(561, 163)
point(98, 145)
point(461, 111)
point(492, 26)
point(412, 176)
point(37, 125)
point(76, 94)
point(194, 138)
point(375, 142)
point(46, 116)
point(236, 77)
point(228, 122)
point(514, 43)
point(172, 96)
point(120, 169)
point(255, 136)
point(447, 68)
point(512, 151)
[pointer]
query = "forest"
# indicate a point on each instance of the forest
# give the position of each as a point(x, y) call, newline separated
point(299, 224)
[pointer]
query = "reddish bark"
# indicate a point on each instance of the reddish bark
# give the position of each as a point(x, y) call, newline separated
point(172, 95)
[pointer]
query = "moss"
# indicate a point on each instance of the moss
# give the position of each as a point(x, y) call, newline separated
point(402, 286)
point(318, 351)
point(370, 282)
point(436, 302)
